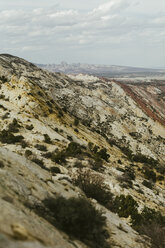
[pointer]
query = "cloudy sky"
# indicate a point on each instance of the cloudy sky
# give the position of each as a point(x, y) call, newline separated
point(114, 32)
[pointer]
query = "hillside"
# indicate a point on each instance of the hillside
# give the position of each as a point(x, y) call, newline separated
point(79, 137)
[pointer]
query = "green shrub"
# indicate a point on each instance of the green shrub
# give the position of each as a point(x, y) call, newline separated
point(125, 206)
point(79, 219)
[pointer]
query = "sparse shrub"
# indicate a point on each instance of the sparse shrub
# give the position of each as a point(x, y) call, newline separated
point(78, 218)
point(47, 139)
point(76, 122)
point(130, 173)
point(144, 159)
point(29, 127)
point(55, 169)
point(24, 144)
point(98, 153)
point(9, 138)
point(120, 169)
point(160, 178)
point(125, 206)
point(2, 96)
point(119, 161)
point(147, 184)
point(14, 126)
point(152, 224)
point(155, 232)
point(94, 187)
point(3, 79)
point(1, 164)
point(126, 151)
point(40, 163)
point(60, 114)
point(97, 165)
point(69, 138)
point(49, 104)
point(73, 149)
point(41, 147)
point(149, 174)
point(103, 154)
point(1, 106)
point(56, 129)
point(78, 164)
point(58, 157)
point(5, 116)
point(28, 153)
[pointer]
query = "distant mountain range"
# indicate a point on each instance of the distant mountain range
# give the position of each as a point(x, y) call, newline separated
point(102, 70)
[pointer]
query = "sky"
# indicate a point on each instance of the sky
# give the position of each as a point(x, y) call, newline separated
point(112, 32)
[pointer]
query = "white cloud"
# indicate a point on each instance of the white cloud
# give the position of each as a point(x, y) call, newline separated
point(114, 23)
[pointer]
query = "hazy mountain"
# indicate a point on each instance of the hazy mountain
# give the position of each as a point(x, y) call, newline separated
point(103, 70)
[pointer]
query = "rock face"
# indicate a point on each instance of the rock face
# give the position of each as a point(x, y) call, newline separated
point(55, 128)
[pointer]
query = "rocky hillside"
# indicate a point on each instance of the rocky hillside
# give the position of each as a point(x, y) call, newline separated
point(81, 163)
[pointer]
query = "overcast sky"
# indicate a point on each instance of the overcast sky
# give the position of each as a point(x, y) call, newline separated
point(114, 32)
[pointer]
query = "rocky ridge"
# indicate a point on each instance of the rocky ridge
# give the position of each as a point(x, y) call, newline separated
point(116, 141)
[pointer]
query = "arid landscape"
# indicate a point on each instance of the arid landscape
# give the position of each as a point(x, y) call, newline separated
point(82, 159)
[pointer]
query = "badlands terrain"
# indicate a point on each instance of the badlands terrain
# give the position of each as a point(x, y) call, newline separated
point(82, 160)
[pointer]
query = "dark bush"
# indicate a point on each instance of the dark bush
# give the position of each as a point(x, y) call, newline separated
point(152, 224)
point(78, 218)
point(103, 154)
point(73, 149)
point(130, 173)
point(24, 144)
point(14, 126)
point(155, 232)
point(160, 178)
point(144, 159)
point(55, 169)
point(3, 79)
point(94, 187)
point(41, 147)
point(28, 153)
point(1, 164)
point(47, 139)
point(125, 206)
point(58, 157)
point(76, 122)
point(29, 127)
point(147, 184)
point(40, 163)
point(149, 174)
point(9, 138)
